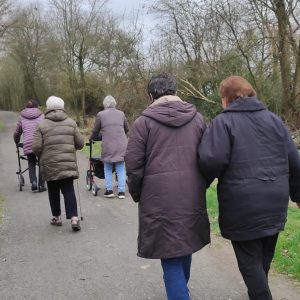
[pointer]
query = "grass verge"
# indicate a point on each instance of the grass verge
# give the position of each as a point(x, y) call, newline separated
point(96, 149)
point(286, 259)
point(212, 208)
point(1, 125)
point(1, 208)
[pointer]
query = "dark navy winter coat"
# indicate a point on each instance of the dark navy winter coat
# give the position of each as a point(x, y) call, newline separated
point(250, 151)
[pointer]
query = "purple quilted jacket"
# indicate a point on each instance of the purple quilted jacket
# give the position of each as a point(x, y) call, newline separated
point(27, 123)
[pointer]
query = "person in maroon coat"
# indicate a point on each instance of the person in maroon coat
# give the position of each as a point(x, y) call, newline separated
point(164, 178)
point(249, 150)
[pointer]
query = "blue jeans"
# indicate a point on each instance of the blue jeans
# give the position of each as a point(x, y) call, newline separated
point(176, 276)
point(120, 170)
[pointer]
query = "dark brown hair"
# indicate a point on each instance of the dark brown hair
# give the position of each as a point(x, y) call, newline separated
point(234, 87)
point(32, 104)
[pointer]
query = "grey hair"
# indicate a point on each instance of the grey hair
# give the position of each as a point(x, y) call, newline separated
point(109, 102)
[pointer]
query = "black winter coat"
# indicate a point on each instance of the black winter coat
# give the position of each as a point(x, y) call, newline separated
point(250, 151)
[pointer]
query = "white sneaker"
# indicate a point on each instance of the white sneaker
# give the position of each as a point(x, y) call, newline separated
point(121, 195)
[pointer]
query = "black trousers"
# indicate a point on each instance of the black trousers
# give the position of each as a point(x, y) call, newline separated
point(254, 258)
point(67, 188)
point(32, 160)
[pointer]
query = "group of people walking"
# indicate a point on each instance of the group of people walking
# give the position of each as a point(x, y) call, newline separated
point(171, 158)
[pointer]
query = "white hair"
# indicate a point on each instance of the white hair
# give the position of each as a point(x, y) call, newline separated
point(54, 102)
point(109, 102)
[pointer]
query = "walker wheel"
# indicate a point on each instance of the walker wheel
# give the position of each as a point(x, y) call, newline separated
point(89, 180)
point(21, 181)
point(94, 189)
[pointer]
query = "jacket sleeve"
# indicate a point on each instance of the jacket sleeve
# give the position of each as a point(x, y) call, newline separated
point(294, 169)
point(95, 135)
point(18, 132)
point(135, 159)
point(37, 144)
point(214, 150)
point(78, 139)
point(126, 127)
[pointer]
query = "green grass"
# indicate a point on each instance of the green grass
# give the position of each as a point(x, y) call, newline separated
point(1, 126)
point(96, 149)
point(1, 197)
point(287, 258)
point(212, 208)
point(1, 208)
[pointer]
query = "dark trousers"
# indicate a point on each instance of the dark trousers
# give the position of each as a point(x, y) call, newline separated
point(254, 258)
point(67, 189)
point(32, 160)
point(176, 277)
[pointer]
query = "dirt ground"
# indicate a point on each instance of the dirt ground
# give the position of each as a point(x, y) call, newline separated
point(39, 261)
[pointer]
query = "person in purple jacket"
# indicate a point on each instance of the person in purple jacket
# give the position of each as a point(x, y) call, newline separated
point(250, 151)
point(164, 178)
point(27, 123)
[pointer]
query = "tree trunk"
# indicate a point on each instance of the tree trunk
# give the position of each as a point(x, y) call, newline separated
point(83, 87)
point(296, 87)
point(284, 54)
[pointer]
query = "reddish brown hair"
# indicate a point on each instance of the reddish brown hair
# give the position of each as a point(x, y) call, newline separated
point(234, 87)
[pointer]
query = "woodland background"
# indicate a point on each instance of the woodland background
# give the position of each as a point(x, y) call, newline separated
point(81, 51)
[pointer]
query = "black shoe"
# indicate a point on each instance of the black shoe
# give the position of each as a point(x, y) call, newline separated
point(121, 195)
point(42, 189)
point(75, 224)
point(34, 186)
point(109, 194)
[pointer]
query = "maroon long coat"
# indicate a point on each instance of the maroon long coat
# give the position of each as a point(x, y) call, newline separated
point(163, 176)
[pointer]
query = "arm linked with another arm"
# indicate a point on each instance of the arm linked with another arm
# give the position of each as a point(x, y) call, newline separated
point(214, 150)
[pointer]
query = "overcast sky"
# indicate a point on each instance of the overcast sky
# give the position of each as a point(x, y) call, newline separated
point(128, 8)
point(119, 6)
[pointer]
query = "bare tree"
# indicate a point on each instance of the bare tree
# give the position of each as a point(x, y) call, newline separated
point(77, 23)
point(5, 21)
point(25, 41)
point(287, 27)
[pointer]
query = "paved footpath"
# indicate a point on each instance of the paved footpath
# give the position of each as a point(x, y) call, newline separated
point(40, 262)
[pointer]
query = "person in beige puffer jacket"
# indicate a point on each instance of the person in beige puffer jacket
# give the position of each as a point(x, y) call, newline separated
point(55, 142)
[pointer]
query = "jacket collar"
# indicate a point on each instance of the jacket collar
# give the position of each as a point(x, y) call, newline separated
point(165, 99)
point(245, 104)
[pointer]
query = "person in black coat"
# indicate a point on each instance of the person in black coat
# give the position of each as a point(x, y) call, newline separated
point(249, 150)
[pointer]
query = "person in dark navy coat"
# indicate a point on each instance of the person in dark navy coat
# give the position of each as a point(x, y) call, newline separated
point(250, 151)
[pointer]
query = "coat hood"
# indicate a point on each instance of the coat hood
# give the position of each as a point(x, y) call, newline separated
point(31, 113)
point(171, 111)
point(56, 115)
point(245, 104)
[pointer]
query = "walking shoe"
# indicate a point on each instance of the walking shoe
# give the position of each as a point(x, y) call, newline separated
point(109, 194)
point(75, 224)
point(42, 189)
point(121, 195)
point(56, 221)
point(33, 186)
